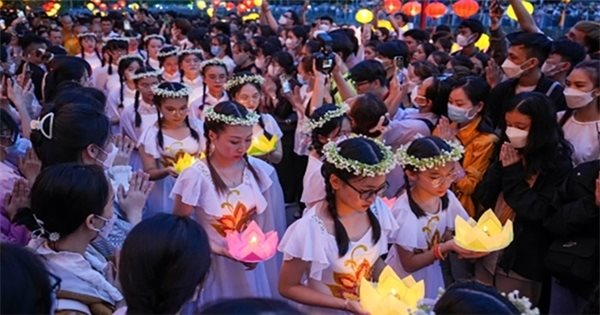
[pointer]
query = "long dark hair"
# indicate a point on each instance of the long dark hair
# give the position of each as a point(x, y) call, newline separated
point(65, 69)
point(546, 146)
point(160, 277)
point(235, 90)
point(366, 113)
point(112, 45)
point(158, 100)
point(358, 149)
point(477, 91)
point(63, 196)
point(136, 102)
point(95, 50)
point(471, 297)
point(180, 59)
point(232, 109)
point(592, 70)
point(146, 43)
point(426, 147)
point(327, 128)
point(123, 65)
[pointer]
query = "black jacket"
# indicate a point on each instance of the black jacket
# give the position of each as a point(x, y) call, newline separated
point(532, 206)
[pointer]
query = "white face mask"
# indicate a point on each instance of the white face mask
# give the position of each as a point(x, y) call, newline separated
point(282, 20)
point(549, 69)
point(413, 96)
point(104, 232)
point(110, 157)
point(462, 40)
point(512, 70)
point(459, 115)
point(576, 98)
point(324, 27)
point(300, 79)
point(517, 137)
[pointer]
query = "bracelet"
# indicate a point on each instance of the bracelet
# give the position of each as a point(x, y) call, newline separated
point(439, 252)
point(435, 251)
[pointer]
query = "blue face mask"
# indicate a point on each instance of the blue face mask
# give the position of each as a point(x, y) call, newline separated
point(215, 50)
point(459, 115)
point(17, 150)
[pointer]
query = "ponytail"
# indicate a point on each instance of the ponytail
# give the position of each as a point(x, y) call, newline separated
point(121, 97)
point(159, 136)
point(110, 61)
point(136, 106)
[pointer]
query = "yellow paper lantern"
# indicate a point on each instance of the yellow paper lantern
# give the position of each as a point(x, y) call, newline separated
point(184, 162)
point(1, 3)
point(261, 145)
point(258, 3)
point(210, 11)
point(90, 6)
point(385, 24)
point(486, 235)
point(511, 12)
point(134, 6)
point(391, 295)
point(201, 4)
point(251, 17)
point(483, 43)
point(364, 16)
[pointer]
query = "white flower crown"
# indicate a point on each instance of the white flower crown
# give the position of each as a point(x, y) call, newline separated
point(312, 124)
point(423, 164)
point(250, 120)
point(154, 36)
point(119, 39)
point(138, 36)
point(185, 92)
point(173, 52)
point(189, 51)
point(332, 155)
point(212, 62)
point(138, 57)
point(241, 80)
point(88, 34)
point(147, 74)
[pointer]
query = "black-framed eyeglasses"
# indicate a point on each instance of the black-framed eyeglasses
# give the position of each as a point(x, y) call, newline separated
point(367, 194)
point(54, 283)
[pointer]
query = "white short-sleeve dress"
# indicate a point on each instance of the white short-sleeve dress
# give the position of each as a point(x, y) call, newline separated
point(313, 183)
point(148, 116)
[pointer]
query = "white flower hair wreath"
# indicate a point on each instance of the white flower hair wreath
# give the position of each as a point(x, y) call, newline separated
point(423, 164)
point(241, 80)
point(147, 74)
point(332, 155)
point(173, 52)
point(119, 39)
point(154, 36)
point(312, 124)
point(185, 92)
point(88, 34)
point(138, 57)
point(212, 62)
point(250, 120)
point(189, 51)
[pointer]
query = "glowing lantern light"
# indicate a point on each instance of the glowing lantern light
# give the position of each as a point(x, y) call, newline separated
point(364, 16)
point(385, 24)
point(210, 11)
point(1, 4)
point(251, 17)
point(122, 3)
point(90, 6)
point(435, 10)
point(97, 2)
point(465, 8)
point(511, 12)
point(230, 6)
point(201, 4)
point(249, 3)
point(412, 8)
point(392, 6)
point(134, 6)
point(103, 7)
point(242, 8)
point(115, 6)
point(258, 3)
point(485, 235)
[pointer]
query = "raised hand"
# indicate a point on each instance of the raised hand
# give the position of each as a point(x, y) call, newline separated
point(132, 202)
point(17, 199)
point(125, 147)
point(30, 166)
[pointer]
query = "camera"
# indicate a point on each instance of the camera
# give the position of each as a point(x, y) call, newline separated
point(324, 58)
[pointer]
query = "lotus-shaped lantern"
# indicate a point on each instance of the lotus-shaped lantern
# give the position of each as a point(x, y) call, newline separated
point(485, 235)
point(183, 162)
point(261, 145)
point(252, 245)
point(391, 295)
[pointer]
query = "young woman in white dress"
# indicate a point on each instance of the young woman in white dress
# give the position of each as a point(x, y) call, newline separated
point(106, 77)
point(161, 145)
point(87, 44)
point(327, 123)
point(143, 114)
point(190, 71)
point(123, 96)
point(153, 44)
point(214, 74)
point(224, 192)
point(245, 88)
point(426, 212)
point(337, 243)
point(169, 63)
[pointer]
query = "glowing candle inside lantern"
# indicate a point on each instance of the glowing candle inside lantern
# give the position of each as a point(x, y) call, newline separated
point(252, 245)
point(486, 230)
point(253, 240)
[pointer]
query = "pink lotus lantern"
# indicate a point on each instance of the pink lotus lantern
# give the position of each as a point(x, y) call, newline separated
point(252, 245)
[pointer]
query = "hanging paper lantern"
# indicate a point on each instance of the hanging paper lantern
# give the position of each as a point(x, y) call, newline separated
point(258, 3)
point(411, 8)
point(210, 11)
point(385, 24)
point(483, 43)
point(392, 6)
point(249, 3)
point(103, 7)
point(201, 4)
point(97, 2)
point(230, 6)
point(134, 6)
point(435, 10)
point(511, 12)
point(465, 8)
point(242, 8)
point(251, 17)
point(364, 16)
point(90, 6)
point(122, 3)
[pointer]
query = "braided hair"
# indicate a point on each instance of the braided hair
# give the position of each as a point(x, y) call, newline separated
point(358, 149)
point(158, 100)
point(136, 103)
point(232, 109)
point(95, 50)
point(146, 43)
point(182, 56)
point(112, 45)
point(327, 128)
point(235, 90)
point(123, 65)
point(204, 86)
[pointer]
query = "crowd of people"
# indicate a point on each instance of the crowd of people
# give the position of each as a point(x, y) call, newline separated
point(133, 146)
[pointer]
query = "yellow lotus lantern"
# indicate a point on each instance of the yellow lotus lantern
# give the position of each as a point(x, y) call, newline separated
point(186, 160)
point(483, 43)
point(511, 12)
point(261, 145)
point(251, 17)
point(391, 295)
point(385, 24)
point(201, 4)
point(364, 16)
point(485, 235)
point(90, 6)
point(210, 11)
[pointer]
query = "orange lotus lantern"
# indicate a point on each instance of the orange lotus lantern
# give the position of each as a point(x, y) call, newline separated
point(242, 8)
point(465, 8)
point(435, 10)
point(412, 8)
point(249, 3)
point(392, 6)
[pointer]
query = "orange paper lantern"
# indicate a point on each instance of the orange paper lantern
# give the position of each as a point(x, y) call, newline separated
point(435, 10)
point(465, 8)
point(103, 7)
point(392, 6)
point(412, 8)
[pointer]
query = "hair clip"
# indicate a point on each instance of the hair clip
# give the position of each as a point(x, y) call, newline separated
point(381, 124)
point(39, 125)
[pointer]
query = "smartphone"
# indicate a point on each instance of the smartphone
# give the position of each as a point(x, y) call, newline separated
point(285, 85)
point(399, 62)
point(126, 25)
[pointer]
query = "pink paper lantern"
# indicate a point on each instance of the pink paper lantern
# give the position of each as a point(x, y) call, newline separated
point(252, 245)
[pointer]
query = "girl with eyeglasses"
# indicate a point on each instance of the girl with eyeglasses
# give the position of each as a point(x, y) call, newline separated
point(340, 241)
point(426, 212)
point(163, 144)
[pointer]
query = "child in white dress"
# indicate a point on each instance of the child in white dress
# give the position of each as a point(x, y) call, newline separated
point(327, 123)
point(224, 192)
point(214, 76)
point(169, 63)
point(426, 212)
point(87, 44)
point(161, 145)
point(189, 69)
point(143, 114)
point(336, 243)
point(245, 88)
point(123, 96)
point(106, 77)
point(153, 44)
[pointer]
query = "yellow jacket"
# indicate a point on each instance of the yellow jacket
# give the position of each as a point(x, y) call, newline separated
point(71, 43)
point(479, 147)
